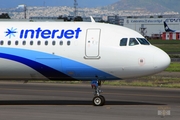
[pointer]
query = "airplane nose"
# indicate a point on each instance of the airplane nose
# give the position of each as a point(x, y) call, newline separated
point(161, 60)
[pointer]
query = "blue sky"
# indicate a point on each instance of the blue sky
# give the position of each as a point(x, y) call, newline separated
point(81, 3)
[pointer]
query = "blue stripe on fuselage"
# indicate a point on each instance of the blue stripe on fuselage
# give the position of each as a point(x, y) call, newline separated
point(48, 72)
point(52, 66)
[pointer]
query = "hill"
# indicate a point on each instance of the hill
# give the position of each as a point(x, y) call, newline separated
point(149, 5)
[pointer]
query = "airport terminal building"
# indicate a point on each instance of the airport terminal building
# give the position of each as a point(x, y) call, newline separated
point(148, 27)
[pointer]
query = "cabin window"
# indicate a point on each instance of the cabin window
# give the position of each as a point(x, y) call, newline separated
point(31, 42)
point(2, 42)
point(46, 42)
point(9, 42)
point(123, 42)
point(68, 43)
point(24, 42)
point(132, 42)
point(16, 42)
point(61, 43)
point(143, 41)
point(53, 42)
point(38, 42)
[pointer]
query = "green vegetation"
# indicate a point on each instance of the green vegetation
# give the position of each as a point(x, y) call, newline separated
point(148, 82)
point(4, 16)
point(174, 55)
point(169, 46)
point(174, 67)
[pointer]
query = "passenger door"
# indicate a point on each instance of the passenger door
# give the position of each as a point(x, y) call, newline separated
point(92, 47)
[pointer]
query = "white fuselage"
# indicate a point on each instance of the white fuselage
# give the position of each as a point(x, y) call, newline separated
point(74, 51)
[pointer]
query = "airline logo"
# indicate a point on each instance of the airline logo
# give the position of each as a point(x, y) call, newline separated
point(11, 32)
point(166, 28)
point(44, 33)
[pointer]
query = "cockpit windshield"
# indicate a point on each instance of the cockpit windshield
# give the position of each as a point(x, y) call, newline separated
point(143, 41)
point(123, 42)
point(133, 41)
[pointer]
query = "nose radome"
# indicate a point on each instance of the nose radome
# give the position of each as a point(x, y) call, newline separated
point(161, 60)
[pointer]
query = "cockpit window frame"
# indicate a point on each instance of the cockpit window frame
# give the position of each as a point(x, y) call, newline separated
point(123, 42)
point(143, 41)
point(133, 42)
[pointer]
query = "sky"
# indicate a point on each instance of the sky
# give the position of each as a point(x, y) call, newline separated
point(81, 3)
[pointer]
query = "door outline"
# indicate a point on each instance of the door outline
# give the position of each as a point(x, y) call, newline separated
point(92, 43)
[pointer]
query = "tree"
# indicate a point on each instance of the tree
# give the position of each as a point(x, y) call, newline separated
point(60, 17)
point(129, 17)
point(78, 18)
point(4, 16)
point(160, 16)
point(65, 18)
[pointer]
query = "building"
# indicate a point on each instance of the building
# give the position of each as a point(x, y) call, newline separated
point(116, 20)
point(149, 27)
point(171, 35)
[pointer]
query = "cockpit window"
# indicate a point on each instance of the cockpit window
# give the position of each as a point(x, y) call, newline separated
point(123, 42)
point(132, 42)
point(143, 41)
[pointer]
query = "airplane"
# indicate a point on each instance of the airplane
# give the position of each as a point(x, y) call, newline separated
point(76, 51)
point(167, 29)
